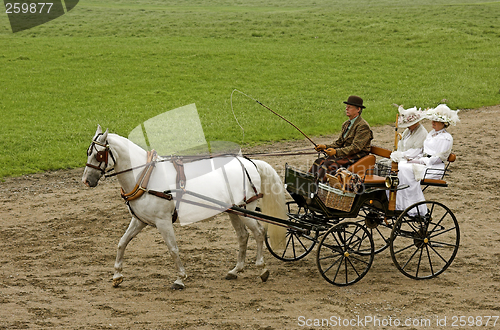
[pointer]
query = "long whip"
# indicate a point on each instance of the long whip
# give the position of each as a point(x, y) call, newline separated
point(277, 114)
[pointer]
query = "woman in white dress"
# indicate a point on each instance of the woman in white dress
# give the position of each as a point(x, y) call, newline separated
point(412, 140)
point(436, 149)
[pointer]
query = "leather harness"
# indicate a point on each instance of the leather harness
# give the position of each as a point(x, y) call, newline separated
point(143, 180)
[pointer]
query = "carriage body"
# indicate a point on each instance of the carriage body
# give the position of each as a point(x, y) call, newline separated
point(304, 188)
point(422, 246)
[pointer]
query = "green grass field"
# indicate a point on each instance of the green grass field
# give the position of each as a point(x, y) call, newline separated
point(120, 62)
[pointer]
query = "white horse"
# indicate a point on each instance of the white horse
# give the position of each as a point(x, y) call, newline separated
point(112, 152)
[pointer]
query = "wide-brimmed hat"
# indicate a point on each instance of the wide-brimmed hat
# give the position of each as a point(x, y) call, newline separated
point(356, 101)
point(409, 116)
point(444, 114)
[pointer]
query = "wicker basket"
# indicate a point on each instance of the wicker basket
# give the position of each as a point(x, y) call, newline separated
point(335, 198)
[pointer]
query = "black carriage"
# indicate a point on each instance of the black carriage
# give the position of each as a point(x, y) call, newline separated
point(351, 228)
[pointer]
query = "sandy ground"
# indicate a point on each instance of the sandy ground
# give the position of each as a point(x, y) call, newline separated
point(58, 242)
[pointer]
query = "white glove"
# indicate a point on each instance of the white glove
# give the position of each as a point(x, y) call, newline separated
point(397, 156)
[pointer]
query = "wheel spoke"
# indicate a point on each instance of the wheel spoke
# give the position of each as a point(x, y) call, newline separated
point(287, 245)
point(404, 249)
point(429, 257)
point(381, 235)
point(439, 255)
point(411, 257)
point(338, 268)
point(301, 244)
point(442, 232)
point(331, 257)
point(346, 272)
point(440, 220)
point(437, 243)
point(358, 259)
point(419, 260)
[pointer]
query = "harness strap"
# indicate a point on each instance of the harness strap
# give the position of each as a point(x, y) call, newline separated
point(249, 180)
point(162, 194)
point(143, 180)
point(180, 178)
point(251, 199)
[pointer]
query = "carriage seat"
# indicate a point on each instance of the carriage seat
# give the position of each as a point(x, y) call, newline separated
point(366, 165)
point(362, 166)
point(386, 153)
point(439, 182)
point(365, 168)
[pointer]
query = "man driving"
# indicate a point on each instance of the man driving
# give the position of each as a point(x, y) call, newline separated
point(353, 143)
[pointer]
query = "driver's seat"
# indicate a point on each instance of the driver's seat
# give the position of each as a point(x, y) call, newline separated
point(363, 166)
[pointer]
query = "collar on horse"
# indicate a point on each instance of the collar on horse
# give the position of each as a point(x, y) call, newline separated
point(143, 180)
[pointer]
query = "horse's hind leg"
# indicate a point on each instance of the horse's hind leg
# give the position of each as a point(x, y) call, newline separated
point(242, 235)
point(259, 234)
point(133, 229)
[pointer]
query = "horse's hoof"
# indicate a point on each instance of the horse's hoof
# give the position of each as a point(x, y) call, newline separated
point(231, 276)
point(265, 275)
point(117, 281)
point(177, 286)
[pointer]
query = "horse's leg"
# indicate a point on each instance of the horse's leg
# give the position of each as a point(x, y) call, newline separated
point(258, 233)
point(133, 229)
point(242, 235)
point(167, 232)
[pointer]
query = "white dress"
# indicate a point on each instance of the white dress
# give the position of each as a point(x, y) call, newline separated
point(409, 147)
point(412, 143)
point(437, 148)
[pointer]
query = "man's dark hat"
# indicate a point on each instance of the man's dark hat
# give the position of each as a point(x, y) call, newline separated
point(356, 101)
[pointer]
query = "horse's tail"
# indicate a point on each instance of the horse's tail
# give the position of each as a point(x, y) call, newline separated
point(273, 202)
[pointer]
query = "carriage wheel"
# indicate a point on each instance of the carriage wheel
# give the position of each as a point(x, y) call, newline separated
point(424, 246)
point(378, 224)
point(345, 253)
point(297, 244)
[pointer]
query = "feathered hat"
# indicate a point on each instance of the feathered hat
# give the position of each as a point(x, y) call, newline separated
point(443, 114)
point(409, 116)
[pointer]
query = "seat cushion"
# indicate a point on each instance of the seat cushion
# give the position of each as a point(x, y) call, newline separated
point(362, 166)
point(434, 182)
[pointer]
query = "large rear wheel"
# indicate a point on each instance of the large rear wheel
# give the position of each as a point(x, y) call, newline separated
point(424, 240)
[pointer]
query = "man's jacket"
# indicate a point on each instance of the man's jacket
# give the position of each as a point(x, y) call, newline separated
point(357, 141)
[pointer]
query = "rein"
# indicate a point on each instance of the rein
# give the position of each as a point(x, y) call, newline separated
point(274, 154)
point(124, 171)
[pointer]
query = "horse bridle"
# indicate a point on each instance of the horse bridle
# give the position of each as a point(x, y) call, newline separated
point(101, 156)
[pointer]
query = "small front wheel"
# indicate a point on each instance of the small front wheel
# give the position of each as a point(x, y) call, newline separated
point(424, 240)
point(345, 253)
point(297, 244)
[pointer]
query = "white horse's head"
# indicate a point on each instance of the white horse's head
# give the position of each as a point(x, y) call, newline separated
point(99, 157)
